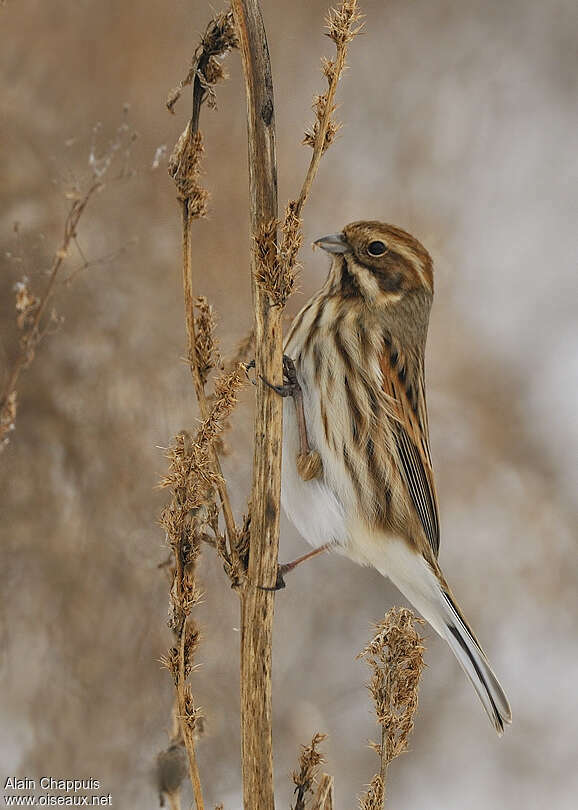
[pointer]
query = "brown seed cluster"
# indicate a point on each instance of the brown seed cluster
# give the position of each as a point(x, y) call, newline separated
point(309, 761)
point(184, 168)
point(219, 38)
point(206, 346)
point(395, 657)
point(205, 72)
point(343, 24)
point(276, 262)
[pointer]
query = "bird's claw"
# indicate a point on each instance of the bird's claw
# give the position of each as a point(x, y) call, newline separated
point(279, 582)
point(290, 383)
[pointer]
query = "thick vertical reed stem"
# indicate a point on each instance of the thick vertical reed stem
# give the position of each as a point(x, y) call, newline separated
point(257, 604)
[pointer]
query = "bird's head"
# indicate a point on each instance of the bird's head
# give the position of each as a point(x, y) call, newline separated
point(379, 260)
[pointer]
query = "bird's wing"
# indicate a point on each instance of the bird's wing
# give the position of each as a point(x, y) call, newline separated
point(410, 429)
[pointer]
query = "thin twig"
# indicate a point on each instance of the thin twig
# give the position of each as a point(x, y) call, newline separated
point(342, 24)
point(196, 471)
point(218, 39)
point(196, 373)
point(34, 320)
point(191, 511)
point(33, 331)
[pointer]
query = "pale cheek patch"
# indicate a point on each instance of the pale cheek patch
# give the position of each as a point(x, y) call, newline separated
point(366, 281)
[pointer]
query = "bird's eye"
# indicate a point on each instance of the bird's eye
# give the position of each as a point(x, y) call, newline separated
point(376, 248)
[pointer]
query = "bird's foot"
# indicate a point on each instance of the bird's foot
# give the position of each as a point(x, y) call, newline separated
point(290, 387)
point(285, 568)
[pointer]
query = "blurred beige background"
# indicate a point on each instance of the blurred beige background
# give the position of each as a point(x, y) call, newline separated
point(460, 125)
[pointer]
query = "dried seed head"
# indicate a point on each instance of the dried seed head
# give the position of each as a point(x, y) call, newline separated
point(309, 761)
point(342, 22)
point(374, 795)
point(342, 28)
point(192, 641)
point(328, 68)
point(193, 481)
point(277, 263)
point(184, 168)
point(193, 715)
point(214, 72)
point(219, 38)
point(206, 347)
point(221, 35)
point(395, 657)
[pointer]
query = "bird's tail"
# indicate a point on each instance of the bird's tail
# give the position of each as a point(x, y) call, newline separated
point(427, 591)
point(473, 661)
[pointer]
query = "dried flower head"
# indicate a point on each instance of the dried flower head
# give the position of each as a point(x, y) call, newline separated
point(395, 657)
point(342, 27)
point(374, 796)
point(184, 168)
point(309, 761)
point(219, 38)
point(342, 22)
point(206, 347)
point(277, 263)
point(331, 128)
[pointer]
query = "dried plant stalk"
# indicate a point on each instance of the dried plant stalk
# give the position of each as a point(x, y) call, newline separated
point(395, 657)
point(33, 318)
point(183, 522)
point(186, 519)
point(184, 167)
point(257, 601)
point(195, 474)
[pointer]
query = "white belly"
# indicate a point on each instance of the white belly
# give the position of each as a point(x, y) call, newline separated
point(312, 506)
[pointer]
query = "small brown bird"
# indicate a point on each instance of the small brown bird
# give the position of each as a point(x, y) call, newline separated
point(357, 470)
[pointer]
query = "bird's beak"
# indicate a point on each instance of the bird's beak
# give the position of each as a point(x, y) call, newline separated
point(334, 243)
